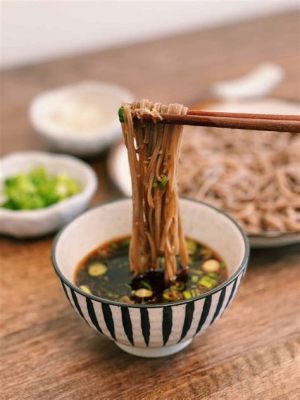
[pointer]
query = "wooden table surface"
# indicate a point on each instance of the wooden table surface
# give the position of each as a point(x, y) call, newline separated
point(253, 351)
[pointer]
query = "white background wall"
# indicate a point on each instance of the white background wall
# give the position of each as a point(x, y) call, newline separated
point(35, 30)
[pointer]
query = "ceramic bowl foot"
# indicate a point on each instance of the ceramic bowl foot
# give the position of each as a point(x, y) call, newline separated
point(154, 352)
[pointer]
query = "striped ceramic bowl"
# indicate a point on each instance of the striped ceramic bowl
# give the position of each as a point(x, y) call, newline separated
point(150, 330)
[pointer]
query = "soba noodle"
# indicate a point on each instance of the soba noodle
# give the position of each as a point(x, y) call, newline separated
point(255, 176)
point(153, 151)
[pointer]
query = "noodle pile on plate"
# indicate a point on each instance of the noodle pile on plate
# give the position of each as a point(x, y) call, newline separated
point(254, 176)
point(153, 151)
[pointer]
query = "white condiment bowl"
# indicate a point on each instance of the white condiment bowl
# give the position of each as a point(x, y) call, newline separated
point(150, 330)
point(45, 120)
point(39, 222)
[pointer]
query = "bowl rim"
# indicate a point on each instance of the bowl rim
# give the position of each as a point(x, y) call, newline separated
point(89, 138)
point(242, 265)
point(87, 191)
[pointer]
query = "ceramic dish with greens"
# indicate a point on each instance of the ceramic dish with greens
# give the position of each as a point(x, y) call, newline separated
point(40, 192)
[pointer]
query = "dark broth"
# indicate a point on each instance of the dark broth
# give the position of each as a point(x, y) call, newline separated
point(105, 273)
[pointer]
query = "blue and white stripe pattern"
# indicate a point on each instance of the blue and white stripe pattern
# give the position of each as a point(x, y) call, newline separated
point(156, 326)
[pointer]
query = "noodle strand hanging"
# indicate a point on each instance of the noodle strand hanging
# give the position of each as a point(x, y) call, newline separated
point(153, 151)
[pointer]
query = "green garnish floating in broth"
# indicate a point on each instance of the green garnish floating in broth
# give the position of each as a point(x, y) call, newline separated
point(105, 273)
point(146, 285)
point(85, 288)
point(191, 246)
point(207, 282)
point(211, 265)
point(97, 269)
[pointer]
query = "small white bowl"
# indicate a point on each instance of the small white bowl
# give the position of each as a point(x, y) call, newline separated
point(150, 330)
point(43, 116)
point(39, 222)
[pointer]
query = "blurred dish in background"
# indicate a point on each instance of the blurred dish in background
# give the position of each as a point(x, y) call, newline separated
point(36, 188)
point(40, 221)
point(254, 176)
point(80, 119)
point(255, 84)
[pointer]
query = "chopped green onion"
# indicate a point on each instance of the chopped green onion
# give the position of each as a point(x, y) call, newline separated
point(121, 114)
point(191, 246)
point(211, 265)
point(213, 275)
point(164, 180)
point(194, 292)
point(145, 285)
point(222, 265)
point(160, 183)
point(143, 293)
point(37, 189)
point(85, 288)
point(207, 282)
point(97, 269)
point(187, 294)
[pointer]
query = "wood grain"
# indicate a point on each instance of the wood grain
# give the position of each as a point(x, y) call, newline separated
point(253, 351)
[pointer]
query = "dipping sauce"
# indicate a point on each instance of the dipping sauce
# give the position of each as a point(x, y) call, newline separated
point(105, 273)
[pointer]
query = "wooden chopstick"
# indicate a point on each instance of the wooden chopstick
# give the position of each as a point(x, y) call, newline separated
point(258, 122)
point(244, 115)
